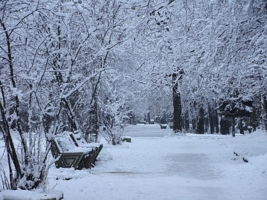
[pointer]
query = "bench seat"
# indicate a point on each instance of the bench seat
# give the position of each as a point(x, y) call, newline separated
point(67, 154)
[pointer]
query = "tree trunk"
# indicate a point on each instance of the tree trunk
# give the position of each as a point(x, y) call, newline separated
point(186, 122)
point(177, 107)
point(254, 119)
point(211, 120)
point(201, 122)
point(71, 116)
point(91, 134)
point(194, 121)
point(148, 118)
point(233, 126)
point(216, 122)
point(264, 112)
point(241, 126)
point(224, 123)
point(206, 125)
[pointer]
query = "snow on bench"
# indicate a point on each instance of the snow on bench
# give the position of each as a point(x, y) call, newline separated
point(68, 154)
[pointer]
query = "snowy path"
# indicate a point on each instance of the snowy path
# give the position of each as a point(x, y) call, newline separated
point(162, 168)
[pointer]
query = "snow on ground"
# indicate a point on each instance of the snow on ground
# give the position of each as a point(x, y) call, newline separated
point(159, 166)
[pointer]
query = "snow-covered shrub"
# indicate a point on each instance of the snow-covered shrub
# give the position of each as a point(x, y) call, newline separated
point(113, 135)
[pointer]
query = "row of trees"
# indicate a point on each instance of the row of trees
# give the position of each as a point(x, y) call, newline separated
point(212, 55)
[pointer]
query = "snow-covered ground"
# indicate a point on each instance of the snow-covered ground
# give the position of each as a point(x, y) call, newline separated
point(159, 166)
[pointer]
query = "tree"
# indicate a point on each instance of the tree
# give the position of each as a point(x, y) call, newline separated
point(28, 169)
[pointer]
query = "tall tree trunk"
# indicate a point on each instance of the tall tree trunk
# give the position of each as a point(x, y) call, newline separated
point(255, 118)
point(177, 107)
point(93, 113)
point(148, 118)
point(216, 121)
point(186, 122)
point(233, 126)
point(264, 112)
point(201, 122)
point(211, 120)
point(224, 124)
point(93, 123)
point(206, 124)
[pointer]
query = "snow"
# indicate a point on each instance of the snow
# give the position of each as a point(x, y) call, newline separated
point(28, 195)
point(157, 165)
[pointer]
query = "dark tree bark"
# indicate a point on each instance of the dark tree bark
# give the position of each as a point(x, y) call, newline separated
point(211, 120)
point(93, 114)
point(201, 122)
point(216, 122)
point(233, 126)
point(148, 118)
point(177, 107)
point(225, 125)
point(254, 120)
point(91, 136)
point(264, 108)
point(206, 124)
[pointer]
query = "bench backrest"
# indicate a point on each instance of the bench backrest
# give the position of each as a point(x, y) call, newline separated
point(78, 138)
point(65, 143)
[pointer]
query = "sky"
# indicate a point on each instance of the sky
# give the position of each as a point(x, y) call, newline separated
point(160, 166)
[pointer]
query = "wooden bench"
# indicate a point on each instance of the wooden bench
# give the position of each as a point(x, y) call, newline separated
point(67, 154)
point(80, 142)
point(163, 126)
point(126, 139)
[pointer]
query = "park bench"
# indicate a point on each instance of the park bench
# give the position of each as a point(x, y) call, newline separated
point(163, 123)
point(68, 154)
point(126, 139)
point(163, 126)
point(79, 141)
